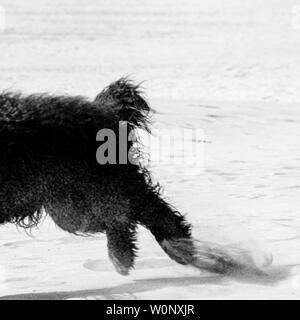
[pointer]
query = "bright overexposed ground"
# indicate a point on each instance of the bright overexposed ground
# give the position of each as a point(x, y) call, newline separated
point(229, 68)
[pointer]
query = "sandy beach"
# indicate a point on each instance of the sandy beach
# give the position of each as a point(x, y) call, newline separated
point(228, 68)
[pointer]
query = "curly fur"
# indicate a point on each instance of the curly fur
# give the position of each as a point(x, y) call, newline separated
point(48, 160)
point(48, 145)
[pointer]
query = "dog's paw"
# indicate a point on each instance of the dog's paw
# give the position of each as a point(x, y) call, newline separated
point(119, 266)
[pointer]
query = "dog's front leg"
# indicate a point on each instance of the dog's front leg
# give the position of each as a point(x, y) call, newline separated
point(121, 239)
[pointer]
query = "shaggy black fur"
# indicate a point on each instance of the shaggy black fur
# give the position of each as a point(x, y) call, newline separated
point(47, 160)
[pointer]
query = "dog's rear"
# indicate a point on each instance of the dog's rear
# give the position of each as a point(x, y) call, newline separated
point(48, 146)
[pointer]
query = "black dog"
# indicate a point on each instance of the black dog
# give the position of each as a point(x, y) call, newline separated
point(47, 160)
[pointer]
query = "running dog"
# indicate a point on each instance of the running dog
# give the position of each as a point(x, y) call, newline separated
point(47, 163)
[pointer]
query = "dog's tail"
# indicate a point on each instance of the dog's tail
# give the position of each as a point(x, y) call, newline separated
point(125, 99)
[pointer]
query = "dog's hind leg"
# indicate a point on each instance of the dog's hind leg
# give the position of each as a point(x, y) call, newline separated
point(121, 239)
point(173, 234)
point(169, 227)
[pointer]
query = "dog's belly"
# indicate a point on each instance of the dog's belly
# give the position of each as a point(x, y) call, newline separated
point(73, 219)
point(78, 199)
point(88, 213)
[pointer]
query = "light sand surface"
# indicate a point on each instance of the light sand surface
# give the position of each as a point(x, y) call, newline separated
point(230, 68)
